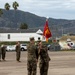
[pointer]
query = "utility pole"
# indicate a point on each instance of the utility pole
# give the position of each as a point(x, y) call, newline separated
point(62, 30)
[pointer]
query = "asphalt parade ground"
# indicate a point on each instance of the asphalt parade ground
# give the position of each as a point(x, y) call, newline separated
point(62, 63)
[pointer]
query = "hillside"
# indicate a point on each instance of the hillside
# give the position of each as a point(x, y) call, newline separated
point(13, 19)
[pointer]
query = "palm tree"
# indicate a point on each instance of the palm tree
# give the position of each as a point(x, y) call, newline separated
point(1, 12)
point(15, 5)
point(7, 6)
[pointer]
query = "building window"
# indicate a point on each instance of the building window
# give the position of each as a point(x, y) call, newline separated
point(8, 36)
point(38, 38)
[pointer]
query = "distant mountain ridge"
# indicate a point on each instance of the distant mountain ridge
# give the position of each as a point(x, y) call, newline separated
point(13, 19)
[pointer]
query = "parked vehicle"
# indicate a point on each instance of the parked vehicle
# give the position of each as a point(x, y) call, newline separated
point(48, 46)
point(10, 47)
point(23, 47)
point(54, 47)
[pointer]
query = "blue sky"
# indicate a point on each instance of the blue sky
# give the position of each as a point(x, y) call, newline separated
point(58, 9)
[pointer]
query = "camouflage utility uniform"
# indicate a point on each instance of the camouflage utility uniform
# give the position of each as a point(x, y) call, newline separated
point(0, 53)
point(32, 56)
point(3, 52)
point(18, 52)
point(44, 60)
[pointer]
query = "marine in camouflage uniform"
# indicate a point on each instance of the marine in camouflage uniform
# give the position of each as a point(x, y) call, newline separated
point(32, 56)
point(0, 53)
point(3, 52)
point(18, 51)
point(44, 59)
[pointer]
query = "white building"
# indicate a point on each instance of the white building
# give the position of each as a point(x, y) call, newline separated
point(20, 35)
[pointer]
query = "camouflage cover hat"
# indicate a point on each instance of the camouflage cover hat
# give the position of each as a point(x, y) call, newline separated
point(31, 38)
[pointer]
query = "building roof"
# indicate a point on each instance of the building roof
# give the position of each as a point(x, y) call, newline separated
point(65, 38)
point(39, 32)
point(18, 30)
